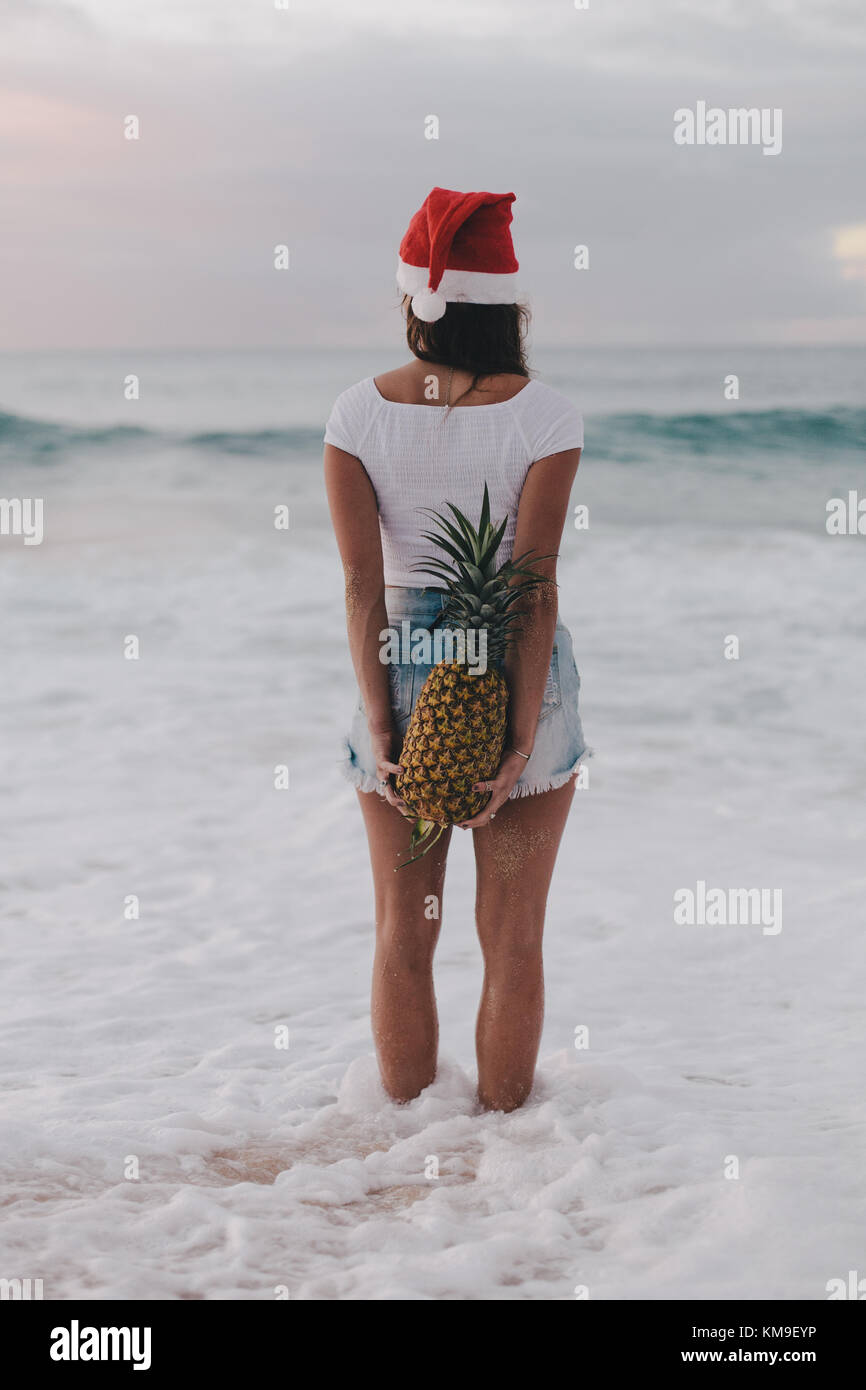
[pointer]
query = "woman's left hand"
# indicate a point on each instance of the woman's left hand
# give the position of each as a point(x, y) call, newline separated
point(507, 774)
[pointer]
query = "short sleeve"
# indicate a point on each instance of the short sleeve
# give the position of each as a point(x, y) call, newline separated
point(347, 423)
point(560, 428)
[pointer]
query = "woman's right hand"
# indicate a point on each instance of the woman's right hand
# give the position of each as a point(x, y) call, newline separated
point(383, 742)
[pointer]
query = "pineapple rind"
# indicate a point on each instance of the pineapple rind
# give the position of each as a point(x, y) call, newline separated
point(454, 739)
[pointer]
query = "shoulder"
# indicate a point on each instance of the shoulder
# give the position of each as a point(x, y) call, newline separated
point(551, 421)
point(544, 401)
point(399, 384)
point(351, 414)
point(358, 397)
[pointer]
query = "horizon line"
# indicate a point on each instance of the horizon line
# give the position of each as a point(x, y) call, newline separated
point(320, 348)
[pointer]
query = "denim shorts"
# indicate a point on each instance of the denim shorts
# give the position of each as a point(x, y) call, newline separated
point(559, 746)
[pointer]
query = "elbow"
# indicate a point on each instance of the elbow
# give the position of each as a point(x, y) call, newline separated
point(362, 590)
point(544, 598)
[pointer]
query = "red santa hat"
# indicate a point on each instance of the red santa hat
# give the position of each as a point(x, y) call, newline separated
point(458, 249)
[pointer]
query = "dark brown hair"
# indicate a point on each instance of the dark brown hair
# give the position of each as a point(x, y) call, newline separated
point(484, 339)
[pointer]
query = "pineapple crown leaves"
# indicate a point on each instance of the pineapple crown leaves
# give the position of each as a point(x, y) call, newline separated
point(479, 594)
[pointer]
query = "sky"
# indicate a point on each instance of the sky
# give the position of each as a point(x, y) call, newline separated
point(302, 123)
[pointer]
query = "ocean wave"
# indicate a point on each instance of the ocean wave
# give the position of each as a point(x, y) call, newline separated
point(35, 437)
point(45, 439)
point(624, 436)
point(629, 436)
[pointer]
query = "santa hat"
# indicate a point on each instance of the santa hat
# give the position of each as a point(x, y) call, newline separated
point(458, 249)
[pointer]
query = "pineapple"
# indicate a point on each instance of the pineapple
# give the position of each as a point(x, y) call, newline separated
point(456, 734)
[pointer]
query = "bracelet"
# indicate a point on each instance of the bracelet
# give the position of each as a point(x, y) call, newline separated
point(527, 756)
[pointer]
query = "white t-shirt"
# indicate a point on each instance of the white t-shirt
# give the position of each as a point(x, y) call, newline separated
point(418, 456)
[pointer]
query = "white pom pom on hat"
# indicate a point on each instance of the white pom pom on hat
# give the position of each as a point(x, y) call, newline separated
point(429, 305)
point(458, 248)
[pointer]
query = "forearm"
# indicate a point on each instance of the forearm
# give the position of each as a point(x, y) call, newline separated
point(527, 663)
point(366, 617)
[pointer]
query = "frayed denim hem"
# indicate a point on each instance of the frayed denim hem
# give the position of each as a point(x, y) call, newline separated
point(363, 782)
point(549, 784)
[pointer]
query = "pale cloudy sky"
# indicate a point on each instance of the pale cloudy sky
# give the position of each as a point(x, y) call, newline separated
point(305, 125)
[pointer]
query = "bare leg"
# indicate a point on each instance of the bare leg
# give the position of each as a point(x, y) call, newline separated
point(514, 857)
point(408, 918)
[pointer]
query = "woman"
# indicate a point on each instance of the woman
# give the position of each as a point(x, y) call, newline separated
point(461, 414)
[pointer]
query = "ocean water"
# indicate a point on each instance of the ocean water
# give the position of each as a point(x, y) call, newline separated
point(156, 1142)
